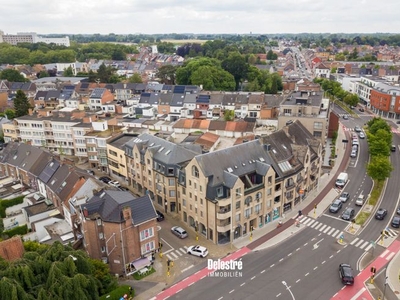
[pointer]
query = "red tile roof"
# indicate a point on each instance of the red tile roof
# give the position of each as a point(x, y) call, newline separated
point(12, 248)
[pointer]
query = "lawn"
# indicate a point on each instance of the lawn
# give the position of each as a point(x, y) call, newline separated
point(117, 293)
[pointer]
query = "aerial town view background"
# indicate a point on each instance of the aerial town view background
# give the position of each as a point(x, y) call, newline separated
point(226, 163)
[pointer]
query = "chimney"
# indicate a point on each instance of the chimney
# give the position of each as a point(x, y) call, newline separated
point(127, 213)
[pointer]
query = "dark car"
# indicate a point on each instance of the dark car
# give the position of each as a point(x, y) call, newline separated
point(346, 274)
point(91, 172)
point(380, 214)
point(361, 109)
point(160, 216)
point(124, 189)
point(398, 211)
point(348, 214)
point(105, 179)
point(335, 206)
point(344, 197)
point(393, 148)
point(396, 222)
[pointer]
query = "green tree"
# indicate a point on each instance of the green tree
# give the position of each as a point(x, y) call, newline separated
point(12, 75)
point(377, 123)
point(184, 73)
point(43, 74)
point(68, 72)
point(166, 74)
point(236, 64)
point(135, 78)
point(229, 115)
point(213, 78)
point(10, 113)
point(377, 145)
point(379, 168)
point(21, 104)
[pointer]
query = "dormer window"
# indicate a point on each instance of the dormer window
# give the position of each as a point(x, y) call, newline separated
point(195, 172)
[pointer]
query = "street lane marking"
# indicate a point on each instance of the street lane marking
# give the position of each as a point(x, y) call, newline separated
point(252, 277)
point(280, 259)
point(336, 232)
point(323, 227)
point(330, 231)
point(191, 283)
point(315, 268)
point(390, 256)
point(289, 254)
point(331, 256)
point(323, 262)
point(262, 271)
point(167, 243)
point(307, 274)
point(305, 244)
point(297, 249)
point(354, 241)
point(278, 295)
point(174, 255)
point(327, 228)
point(178, 291)
point(360, 292)
point(168, 251)
point(365, 244)
point(191, 266)
point(316, 223)
point(338, 251)
point(202, 277)
point(359, 242)
point(384, 253)
point(220, 298)
point(243, 284)
point(231, 291)
point(297, 281)
point(272, 265)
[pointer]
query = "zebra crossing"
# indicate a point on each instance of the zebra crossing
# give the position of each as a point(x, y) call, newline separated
point(175, 254)
point(336, 233)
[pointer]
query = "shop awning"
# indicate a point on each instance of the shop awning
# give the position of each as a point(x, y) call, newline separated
point(141, 263)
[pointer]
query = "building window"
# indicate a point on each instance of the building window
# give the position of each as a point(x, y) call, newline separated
point(195, 172)
point(201, 214)
point(201, 188)
point(191, 208)
point(195, 210)
point(98, 222)
point(258, 196)
point(184, 202)
point(101, 236)
point(220, 192)
point(148, 247)
point(269, 191)
point(195, 185)
point(147, 233)
point(237, 218)
point(183, 191)
point(269, 180)
point(172, 193)
point(237, 204)
point(238, 192)
point(171, 182)
point(103, 249)
point(318, 125)
point(257, 208)
point(248, 200)
point(201, 201)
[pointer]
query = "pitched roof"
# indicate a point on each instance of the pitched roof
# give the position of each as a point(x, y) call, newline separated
point(109, 204)
point(12, 248)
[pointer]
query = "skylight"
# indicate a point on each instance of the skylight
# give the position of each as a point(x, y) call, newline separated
point(262, 159)
point(168, 152)
point(230, 170)
point(161, 149)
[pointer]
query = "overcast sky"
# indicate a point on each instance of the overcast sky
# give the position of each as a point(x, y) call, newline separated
point(199, 16)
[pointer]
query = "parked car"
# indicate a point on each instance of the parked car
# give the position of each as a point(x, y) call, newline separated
point(344, 197)
point(346, 274)
point(345, 117)
point(348, 214)
point(179, 232)
point(393, 148)
point(360, 200)
point(335, 206)
point(380, 214)
point(91, 172)
point(361, 135)
point(160, 216)
point(357, 129)
point(396, 222)
point(114, 183)
point(354, 147)
point(361, 109)
point(198, 251)
point(353, 153)
point(398, 211)
point(105, 179)
point(124, 189)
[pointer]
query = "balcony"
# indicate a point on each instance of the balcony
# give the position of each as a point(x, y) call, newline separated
point(253, 189)
point(289, 186)
point(224, 226)
point(224, 202)
point(224, 213)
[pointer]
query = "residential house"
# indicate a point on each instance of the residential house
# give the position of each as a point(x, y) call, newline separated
point(99, 97)
point(119, 229)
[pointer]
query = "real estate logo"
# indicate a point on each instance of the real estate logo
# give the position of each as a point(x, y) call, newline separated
point(220, 268)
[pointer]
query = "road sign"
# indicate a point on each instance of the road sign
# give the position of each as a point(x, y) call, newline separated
point(342, 236)
point(373, 244)
point(345, 141)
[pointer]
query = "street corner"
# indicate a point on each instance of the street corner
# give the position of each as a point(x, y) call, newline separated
point(352, 228)
point(342, 242)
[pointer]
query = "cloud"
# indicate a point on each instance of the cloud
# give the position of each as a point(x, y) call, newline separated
point(193, 16)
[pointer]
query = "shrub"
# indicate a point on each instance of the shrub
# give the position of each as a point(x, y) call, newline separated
point(20, 230)
point(8, 203)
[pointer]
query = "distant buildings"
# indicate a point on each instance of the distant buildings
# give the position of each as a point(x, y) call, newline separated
point(31, 37)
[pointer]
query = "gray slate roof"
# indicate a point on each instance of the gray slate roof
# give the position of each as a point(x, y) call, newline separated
point(109, 204)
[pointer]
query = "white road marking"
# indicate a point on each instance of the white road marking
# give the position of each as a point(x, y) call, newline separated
point(323, 262)
point(359, 242)
point(315, 268)
point(389, 257)
point(326, 229)
point(369, 247)
point(364, 245)
point(191, 266)
point(252, 277)
point(297, 249)
point(331, 256)
point(262, 271)
point(323, 227)
point(297, 281)
point(330, 231)
point(335, 233)
point(305, 244)
point(167, 243)
point(280, 259)
point(278, 295)
point(355, 297)
point(191, 283)
point(178, 291)
point(354, 241)
point(272, 265)
point(203, 277)
point(174, 255)
point(289, 254)
point(307, 274)
point(220, 298)
point(231, 291)
point(243, 284)
point(168, 251)
point(384, 253)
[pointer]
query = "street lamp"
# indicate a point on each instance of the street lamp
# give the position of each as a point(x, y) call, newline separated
point(288, 288)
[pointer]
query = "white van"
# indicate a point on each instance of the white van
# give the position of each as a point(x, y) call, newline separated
point(341, 180)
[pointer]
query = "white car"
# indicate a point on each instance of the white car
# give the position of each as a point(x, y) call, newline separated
point(114, 183)
point(198, 251)
point(360, 200)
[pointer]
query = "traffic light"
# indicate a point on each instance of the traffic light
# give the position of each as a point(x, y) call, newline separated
point(315, 206)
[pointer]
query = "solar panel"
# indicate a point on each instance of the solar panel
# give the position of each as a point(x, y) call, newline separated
point(179, 89)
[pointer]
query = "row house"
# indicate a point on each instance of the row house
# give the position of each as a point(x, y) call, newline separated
point(99, 97)
point(153, 167)
point(364, 86)
point(322, 71)
point(225, 194)
point(385, 100)
point(308, 107)
point(119, 229)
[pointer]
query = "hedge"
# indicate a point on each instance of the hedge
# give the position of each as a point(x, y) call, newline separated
point(8, 203)
point(20, 230)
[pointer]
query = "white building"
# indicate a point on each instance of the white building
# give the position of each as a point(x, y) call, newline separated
point(32, 37)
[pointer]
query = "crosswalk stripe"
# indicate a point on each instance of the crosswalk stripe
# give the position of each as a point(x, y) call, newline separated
point(389, 257)
point(186, 247)
point(180, 254)
point(310, 223)
point(323, 227)
point(315, 224)
point(182, 250)
point(340, 233)
point(318, 226)
point(369, 247)
point(174, 255)
point(354, 241)
point(327, 228)
point(364, 245)
point(330, 231)
point(359, 242)
point(335, 233)
point(169, 257)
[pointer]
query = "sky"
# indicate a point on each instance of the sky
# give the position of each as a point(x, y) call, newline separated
point(199, 16)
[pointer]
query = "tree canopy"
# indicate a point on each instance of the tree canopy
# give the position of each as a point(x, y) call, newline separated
point(12, 75)
point(21, 104)
point(54, 272)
